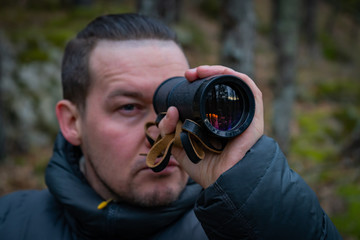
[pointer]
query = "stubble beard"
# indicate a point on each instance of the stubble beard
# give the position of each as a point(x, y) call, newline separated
point(157, 197)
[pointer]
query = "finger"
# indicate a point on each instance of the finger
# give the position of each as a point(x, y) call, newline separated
point(168, 124)
point(191, 74)
point(206, 71)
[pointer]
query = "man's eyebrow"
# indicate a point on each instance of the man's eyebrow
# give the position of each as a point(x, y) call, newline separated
point(126, 93)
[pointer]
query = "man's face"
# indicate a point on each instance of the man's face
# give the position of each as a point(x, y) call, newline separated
point(125, 76)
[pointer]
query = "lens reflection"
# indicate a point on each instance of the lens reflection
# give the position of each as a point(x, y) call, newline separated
point(223, 107)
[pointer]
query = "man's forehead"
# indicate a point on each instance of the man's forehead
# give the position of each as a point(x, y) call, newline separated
point(125, 49)
point(115, 60)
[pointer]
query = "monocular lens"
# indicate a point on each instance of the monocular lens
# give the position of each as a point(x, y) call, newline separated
point(223, 107)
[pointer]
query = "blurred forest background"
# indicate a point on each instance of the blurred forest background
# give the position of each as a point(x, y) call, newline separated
point(304, 56)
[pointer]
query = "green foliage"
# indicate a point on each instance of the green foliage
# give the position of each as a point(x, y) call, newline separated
point(312, 143)
point(350, 7)
point(264, 29)
point(32, 52)
point(348, 222)
point(349, 118)
point(19, 160)
point(61, 29)
point(339, 90)
point(44, 20)
point(40, 166)
point(191, 36)
point(331, 50)
point(324, 129)
point(344, 95)
point(59, 37)
point(211, 8)
point(31, 55)
point(48, 5)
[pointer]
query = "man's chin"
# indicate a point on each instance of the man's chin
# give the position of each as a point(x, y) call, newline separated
point(150, 189)
point(159, 196)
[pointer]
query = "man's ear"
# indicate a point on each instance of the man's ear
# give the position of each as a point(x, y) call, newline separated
point(68, 116)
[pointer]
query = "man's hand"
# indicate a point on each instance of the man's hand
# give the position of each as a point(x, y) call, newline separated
point(213, 165)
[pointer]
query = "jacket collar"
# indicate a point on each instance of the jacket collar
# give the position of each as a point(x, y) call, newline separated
point(118, 220)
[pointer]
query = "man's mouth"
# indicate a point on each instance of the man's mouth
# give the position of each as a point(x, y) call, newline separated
point(171, 165)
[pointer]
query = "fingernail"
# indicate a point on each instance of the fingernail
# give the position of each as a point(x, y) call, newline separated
point(167, 113)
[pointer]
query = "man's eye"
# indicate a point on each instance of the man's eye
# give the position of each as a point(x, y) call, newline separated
point(128, 107)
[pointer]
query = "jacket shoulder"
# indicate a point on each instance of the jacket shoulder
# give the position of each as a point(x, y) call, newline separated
point(262, 198)
point(32, 214)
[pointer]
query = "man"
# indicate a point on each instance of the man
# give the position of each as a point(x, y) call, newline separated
point(110, 72)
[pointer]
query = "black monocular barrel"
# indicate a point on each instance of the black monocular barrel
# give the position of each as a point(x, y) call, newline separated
point(223, 104)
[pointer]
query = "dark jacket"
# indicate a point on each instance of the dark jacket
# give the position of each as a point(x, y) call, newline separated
point(259, 198)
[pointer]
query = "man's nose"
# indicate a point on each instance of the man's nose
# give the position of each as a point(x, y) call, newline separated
point(153, 131)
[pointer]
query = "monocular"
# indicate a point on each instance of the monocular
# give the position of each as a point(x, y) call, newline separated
point(211, 111)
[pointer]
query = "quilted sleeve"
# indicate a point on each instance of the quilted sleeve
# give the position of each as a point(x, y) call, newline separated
point(262, 198)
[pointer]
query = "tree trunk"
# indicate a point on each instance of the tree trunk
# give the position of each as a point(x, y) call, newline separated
point(168, 11)
point(335, 6)
point(285, 22)
point(82, 2)
point(76, 3)
point(308, 27)
point(238, 35)
point(2, 132)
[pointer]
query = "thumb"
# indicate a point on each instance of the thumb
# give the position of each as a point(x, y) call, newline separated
point(168, 124)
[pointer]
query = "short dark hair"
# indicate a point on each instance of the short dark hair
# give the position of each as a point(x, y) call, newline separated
point(76, 79)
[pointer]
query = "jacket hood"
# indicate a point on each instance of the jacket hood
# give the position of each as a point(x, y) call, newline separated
point(118, 220)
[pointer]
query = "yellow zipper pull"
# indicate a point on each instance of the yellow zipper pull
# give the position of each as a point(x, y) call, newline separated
point(104, 204)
